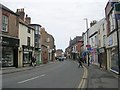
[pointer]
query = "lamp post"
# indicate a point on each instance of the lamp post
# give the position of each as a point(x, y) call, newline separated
point(87, 38)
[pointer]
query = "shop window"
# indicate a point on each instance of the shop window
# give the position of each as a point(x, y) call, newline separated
point(7, 56)
point(26, 58)
point(4, 23)
point(114, 59)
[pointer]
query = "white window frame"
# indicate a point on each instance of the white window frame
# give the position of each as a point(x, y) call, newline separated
point(4, 23)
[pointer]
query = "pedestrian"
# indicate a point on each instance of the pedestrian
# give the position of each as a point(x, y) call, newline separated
point(84, 59)
point(33, 61)
point(100, 64)
point(80, 60)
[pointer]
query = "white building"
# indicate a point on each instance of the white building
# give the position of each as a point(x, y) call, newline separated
point(26, 49)
point(102, 38)
point(93, 39)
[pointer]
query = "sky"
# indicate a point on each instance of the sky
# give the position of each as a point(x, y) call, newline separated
point(64, 19)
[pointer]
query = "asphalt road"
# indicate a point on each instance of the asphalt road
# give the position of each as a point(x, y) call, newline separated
point(64, 74)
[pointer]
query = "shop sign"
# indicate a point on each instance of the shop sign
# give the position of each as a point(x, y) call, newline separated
point(30, 50)
point(110, 42)
point(26, 49)
point(10, 41)
point(101, 50)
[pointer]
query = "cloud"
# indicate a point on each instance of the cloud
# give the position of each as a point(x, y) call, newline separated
point(61, 18)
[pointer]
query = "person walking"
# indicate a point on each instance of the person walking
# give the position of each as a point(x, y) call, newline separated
point(33, 61)
point(80, 62)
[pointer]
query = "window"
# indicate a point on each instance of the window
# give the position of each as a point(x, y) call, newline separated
point(4, 23)
point(37, 30)
point(28, 30)
point(28, 41)
point(96, 41)
point(47, 40)
point(92, 42)
point(112, 21)
point(104, 40)
point(103, 27)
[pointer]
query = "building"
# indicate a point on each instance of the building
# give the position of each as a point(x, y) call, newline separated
point(59, 52)
point(10, 40)
point(102, 38)
point(67, 53)
point(112, 44)
point(51, 47)
point(47, 46)
point(94, 41)
point(75, 47)
point(26, 36)
point(37, 43)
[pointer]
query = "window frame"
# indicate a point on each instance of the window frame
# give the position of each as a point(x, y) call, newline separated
point(5, 21)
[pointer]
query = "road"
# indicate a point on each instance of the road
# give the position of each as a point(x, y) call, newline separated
point(64, 74)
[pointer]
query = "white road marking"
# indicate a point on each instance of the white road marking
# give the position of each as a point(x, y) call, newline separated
point(31, 79)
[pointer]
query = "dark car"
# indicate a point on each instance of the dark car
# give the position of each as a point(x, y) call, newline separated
point(60, 58)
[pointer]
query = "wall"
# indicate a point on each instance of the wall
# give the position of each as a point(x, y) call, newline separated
point(13, 24)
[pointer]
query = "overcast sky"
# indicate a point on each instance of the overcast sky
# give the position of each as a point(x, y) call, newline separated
point(61, 18)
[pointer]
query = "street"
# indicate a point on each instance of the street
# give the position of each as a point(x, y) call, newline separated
point(64, 74)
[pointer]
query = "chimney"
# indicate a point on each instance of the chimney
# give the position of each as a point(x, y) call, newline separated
point(27, 19)
point(93, 23)
point(21, 13)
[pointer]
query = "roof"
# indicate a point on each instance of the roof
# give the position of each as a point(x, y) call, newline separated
point(7, 9)
point(24, 23)
point(35, 25)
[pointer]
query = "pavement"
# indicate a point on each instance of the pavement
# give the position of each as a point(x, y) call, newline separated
point(97, 77)
point(7, 70)
point(101, 78)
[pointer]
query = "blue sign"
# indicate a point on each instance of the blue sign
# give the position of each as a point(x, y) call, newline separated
point(110, 41)
point(117, 16)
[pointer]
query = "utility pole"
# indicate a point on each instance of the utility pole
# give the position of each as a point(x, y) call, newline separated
point(87, 38)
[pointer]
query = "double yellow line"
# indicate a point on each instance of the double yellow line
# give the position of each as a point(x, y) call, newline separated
point(84, 78)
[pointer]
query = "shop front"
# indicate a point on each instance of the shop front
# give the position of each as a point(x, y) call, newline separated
point(38, 55)
point(114, 59)
point(113, 53)
point(10, 52)
point(27, 54)
point(102, 57)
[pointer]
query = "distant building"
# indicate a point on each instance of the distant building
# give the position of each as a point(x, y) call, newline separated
point(47, 46)
point(75, 47)
point(59, 52)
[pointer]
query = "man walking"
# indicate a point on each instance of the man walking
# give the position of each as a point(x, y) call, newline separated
point(80, 62)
